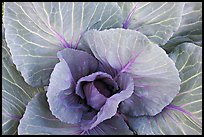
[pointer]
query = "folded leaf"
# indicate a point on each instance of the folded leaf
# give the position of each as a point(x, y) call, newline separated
point(64, 102)
point(106, 104)
point(109, 109)
point(16, 93)
point(93, 97)
point(102, 77)
point(184, 115)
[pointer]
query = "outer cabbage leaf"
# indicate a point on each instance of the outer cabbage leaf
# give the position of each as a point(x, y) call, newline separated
point(157, 20)
point(190, 29)
point(36, 31)
point(16, 93)
point(184, 114)
point(127, 9)
point(39, 120)
point(63, 101)
point(156, 78)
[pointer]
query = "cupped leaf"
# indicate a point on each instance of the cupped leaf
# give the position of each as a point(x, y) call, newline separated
point(63, 101)
point(16, 93)
point(96, 88)
point(38, 120)
point(108, 104)
point(157, 20)
point(156, 78)
point(93, 97)
point(101, 77)
point(184, 114)
point(190, 29)
point(36, 31)
point(109, 109)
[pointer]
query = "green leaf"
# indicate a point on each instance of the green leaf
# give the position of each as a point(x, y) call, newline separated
point(36, 31)
point(16, 93)
point(157, 20)
point(190, 29)
point(184, 115)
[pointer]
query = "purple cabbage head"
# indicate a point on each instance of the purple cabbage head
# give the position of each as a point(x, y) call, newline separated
point(108, 68)
point(90, 87)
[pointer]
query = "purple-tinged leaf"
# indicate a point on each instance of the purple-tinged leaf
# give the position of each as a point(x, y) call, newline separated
point(101, 77)
point(127, 21)
point(157, 20)
point(63, 101)
point(184, 115)
point(38, 120)
point(109, 109)
point(103, 67)
point(60, 38)
point(16, 93)
point(156, 79)
point(79, 62)
point(35, 31)
point(114, 126)
point(93, 97)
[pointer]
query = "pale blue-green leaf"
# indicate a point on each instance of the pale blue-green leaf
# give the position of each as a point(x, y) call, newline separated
point(157, 20)
point(156, 78)
point(184, 115)
point(16, 93)
point(36, 31)
point(190, 29)
point(126, 8)
point(38, 120)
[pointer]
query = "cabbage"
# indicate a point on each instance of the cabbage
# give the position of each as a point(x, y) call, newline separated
point(102, 68)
